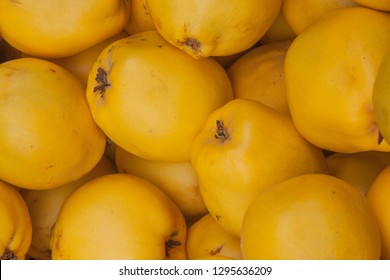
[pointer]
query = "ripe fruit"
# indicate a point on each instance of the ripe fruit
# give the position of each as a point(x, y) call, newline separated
point(312, 216)
point(206, 239)
point(118, 216)
point(201, 106)
point(330, 71)
point(244, 147)
point(152, 99)
point(279, 31)
point(259, 75)
point(302, 13)
point(381, 99)
point(176, 179)
point(80, 64)
point(358, 169)
point(378, 198)
point(140, 19)
point(44, 205)
point(205, 28)
point(15, 224)
point(382, 5)
point(56, 28)
point(48, 136)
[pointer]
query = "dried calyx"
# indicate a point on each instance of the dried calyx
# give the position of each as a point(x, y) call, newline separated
point(221, 132)
point(171, 243)
point(101, 79)
point(193, 44)
point(8, 255)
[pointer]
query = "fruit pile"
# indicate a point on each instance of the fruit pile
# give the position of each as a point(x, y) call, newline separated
point(168, 129)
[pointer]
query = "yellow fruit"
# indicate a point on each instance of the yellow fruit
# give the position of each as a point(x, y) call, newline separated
point(152, 99)
point(81, 63)
point(280, 30)
point(140, 19)
point(15, 224)
point(259, 75)
point(330, 71)
point(378, 198)
point(44, 205)
point(205, 28)
point(56, 28)
point(381, 99)
point(206, 239)
point(119, 216)
point(48, 136)
point(300, 14)
point(382, 5)
point(244, 147)
point(312, 216)
point(176, 179)
point(358, 169)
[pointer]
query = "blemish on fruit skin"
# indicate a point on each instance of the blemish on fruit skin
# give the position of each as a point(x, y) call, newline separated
point(109, 50)
point(216, 251)
point(15, 2)
point(125, 2)
point(9, 73)
point(57, 240)
point(145, 7)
